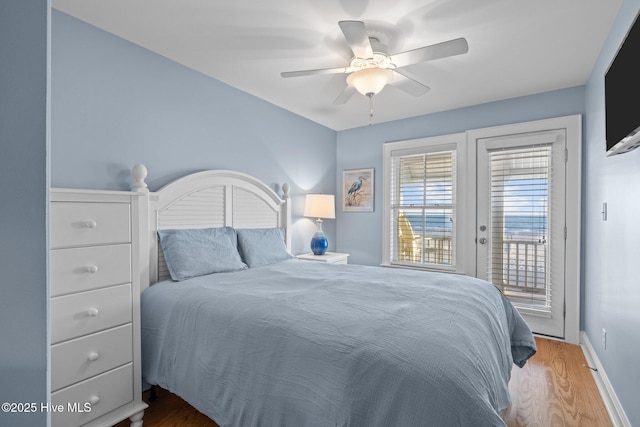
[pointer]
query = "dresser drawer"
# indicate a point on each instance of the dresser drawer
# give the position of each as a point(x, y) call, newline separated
point(82, 224)
point(85, 357)
point(86, 312)
point(83, 269)
point(105, 393)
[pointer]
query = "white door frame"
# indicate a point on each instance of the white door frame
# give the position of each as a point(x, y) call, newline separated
point(573, 127)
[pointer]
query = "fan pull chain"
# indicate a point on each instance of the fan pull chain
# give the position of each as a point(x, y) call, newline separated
point(370, 95)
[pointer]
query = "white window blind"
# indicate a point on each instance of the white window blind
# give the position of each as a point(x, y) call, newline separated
point(519, 260)
point(423, 209)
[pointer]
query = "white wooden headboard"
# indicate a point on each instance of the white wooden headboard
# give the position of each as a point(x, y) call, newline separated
point(214, 198)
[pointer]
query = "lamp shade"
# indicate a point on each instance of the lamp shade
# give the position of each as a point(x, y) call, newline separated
point(369, 81)
point(320, 206)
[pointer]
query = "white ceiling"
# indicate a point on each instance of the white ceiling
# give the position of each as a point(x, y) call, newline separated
point(516, 47)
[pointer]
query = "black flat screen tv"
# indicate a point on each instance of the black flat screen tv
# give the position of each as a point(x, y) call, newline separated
point(622, 93)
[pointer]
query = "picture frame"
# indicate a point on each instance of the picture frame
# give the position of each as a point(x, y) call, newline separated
point(357, 190)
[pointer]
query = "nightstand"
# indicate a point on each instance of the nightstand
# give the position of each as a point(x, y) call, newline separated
point(328, 257)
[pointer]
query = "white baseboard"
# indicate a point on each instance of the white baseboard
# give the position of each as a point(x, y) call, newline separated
point(611, 402)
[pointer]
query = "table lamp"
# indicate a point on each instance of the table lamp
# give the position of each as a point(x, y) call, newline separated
point(320, 206)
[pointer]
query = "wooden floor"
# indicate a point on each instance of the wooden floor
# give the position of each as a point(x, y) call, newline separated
point(554, 389)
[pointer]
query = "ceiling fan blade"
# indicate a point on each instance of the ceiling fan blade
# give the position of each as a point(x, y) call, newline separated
point(409, 83)
point(345, 95)
point(337, 70)
point(428, 53)
point(356, 34)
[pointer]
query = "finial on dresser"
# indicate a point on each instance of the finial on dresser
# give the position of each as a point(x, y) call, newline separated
point(285, 190)
point(139, 173)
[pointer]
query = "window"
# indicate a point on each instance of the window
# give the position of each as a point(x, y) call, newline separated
point(422, 193)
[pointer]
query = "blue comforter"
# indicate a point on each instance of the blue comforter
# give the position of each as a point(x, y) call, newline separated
point(306, 344)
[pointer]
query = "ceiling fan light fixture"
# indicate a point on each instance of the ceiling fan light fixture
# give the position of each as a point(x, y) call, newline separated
point(370, 81)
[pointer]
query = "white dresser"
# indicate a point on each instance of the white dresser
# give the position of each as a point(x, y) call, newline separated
point(95, 308)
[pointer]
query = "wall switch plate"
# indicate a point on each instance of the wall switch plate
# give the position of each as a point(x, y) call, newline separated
point(604, 338)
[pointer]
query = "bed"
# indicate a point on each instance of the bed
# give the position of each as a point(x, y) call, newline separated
point(277, 341)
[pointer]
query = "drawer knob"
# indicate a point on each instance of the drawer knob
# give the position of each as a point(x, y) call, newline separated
point(90, 224)
point(93, 312)
point(92, 269)
point(94, 400)
point(93, 356)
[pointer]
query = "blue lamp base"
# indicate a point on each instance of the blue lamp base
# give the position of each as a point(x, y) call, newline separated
point(319, 243)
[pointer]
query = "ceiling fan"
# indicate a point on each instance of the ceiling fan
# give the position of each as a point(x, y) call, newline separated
point(373, 67)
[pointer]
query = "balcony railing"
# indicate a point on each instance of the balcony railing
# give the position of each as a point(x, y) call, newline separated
point(428, 250)
point(520, 268)
point(524, 265)
point(523, 273)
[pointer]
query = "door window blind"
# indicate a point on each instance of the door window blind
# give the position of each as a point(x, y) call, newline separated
point(423, 202)
point(519, 260)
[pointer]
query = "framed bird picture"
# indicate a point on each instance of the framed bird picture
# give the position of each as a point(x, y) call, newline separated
point(357, 190)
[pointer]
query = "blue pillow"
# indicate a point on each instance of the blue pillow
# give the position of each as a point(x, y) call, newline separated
point(196, 252)
point(262, 246)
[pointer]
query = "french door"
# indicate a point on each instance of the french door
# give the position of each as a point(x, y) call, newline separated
point(502, 204)
point(520, 217)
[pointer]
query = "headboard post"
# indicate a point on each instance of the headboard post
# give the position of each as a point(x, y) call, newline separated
point(138, 174)
point(287, 219)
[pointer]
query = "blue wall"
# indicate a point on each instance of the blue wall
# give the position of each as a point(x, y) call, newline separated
point(115, 104)
point(611, 249)
point(360, 234)
point(24, 32)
